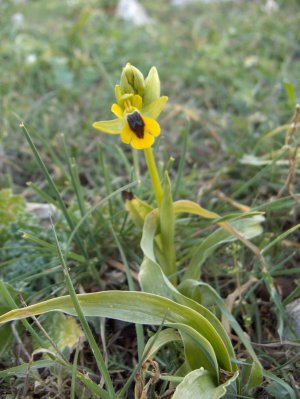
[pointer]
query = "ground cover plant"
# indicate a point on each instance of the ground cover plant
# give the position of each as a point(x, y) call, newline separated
point(160, 261)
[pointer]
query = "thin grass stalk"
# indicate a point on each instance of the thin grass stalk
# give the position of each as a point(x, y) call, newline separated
point(51, 247)
point(257, 177)
point(107, 184)
point(43, 194)
point(184, 133)
point(83, 210)
point(53, 187)
point(125, 388)
point(7, 296)
point(119, 153)
point(53, 154)
point(138, 328)
point(80, 200)
point(71, 164)
point(74, 369)
point(100, 203)
point(86, 328)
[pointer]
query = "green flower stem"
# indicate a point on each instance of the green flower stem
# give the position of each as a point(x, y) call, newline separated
point(154, 175)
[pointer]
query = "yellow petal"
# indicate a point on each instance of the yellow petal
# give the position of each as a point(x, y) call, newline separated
point(126, 134)
point(151, 126)
point(117, 110)
point(140, 144)
point(154, 109)
point(112, 127)
point(137, 101)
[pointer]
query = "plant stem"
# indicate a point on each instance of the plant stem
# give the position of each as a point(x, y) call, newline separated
point(153, 174)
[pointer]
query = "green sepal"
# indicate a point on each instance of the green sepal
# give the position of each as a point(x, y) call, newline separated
point(152, 87)
point(154, 109)
point(113, 126)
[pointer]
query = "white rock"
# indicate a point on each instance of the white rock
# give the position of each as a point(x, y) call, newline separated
point(42, 211)
point(132, 11)
point(17, 19)
point(31, 59)
point(271, 6)
point(293, 312)
point(178, 3)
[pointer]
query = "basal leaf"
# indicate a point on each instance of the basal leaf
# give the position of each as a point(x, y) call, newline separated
point(154, 281)
point(135, 307)
point(199, 384)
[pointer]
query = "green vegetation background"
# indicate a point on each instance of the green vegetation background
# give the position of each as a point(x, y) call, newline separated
point(231, 72)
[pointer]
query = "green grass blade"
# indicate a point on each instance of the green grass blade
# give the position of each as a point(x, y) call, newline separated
point(167, 230)
point(53, 187)
point(138, 327)
point(184, 135)
point(86, 328)
point(92, 210)
point(22, 370)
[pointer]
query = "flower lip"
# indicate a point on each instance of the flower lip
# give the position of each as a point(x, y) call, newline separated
point(136, 124)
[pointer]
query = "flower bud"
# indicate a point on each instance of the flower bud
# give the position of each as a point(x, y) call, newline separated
point(132, 80)
point(152, 87)
point(137, 209)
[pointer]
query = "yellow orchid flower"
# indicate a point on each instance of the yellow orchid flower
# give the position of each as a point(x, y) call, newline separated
point(136, 115)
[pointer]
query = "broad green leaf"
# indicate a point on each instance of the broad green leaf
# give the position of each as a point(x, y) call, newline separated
point(154, 281)
point(251, 376)
point(255, 373)
point(199, 384)
point(198, 351)
point(149, 231)
point(135, 307)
